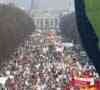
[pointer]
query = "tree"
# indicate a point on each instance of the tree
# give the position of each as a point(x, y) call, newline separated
point(68, 28)
point(15, 27)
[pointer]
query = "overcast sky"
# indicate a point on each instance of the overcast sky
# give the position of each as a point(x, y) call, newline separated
point(46, 4)
point(56, 4)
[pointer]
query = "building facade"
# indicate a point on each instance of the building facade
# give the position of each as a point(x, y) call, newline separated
point(44, 21)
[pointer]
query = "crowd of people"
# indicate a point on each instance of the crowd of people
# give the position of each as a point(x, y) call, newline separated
point(40, 64)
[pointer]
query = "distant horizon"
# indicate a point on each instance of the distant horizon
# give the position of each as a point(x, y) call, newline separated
point(44, 4)
point(54, 4)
